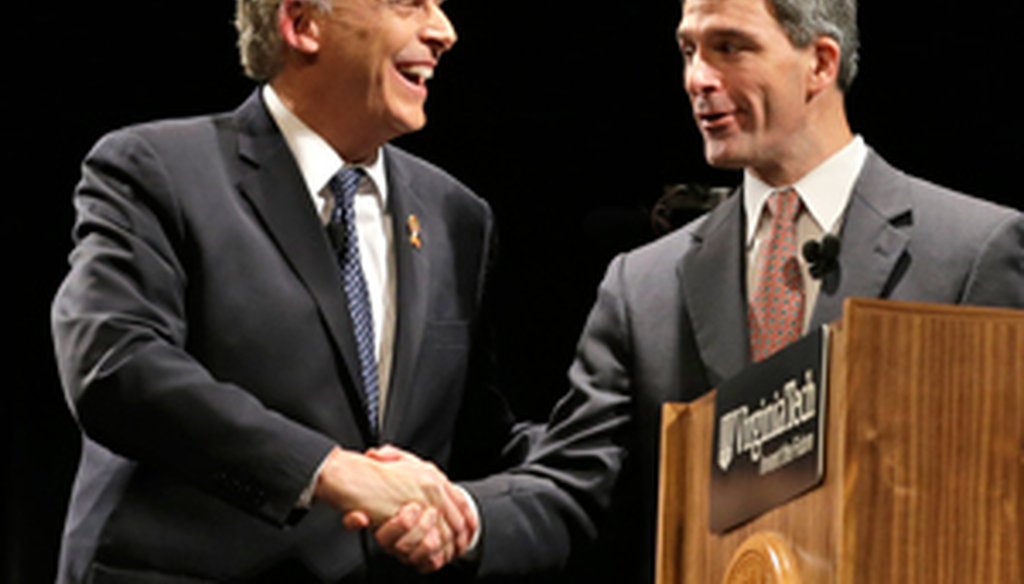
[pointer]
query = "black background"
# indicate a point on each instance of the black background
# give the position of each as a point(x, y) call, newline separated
point(568, 117)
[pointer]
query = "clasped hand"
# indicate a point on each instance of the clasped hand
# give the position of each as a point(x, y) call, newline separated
point(416, 513)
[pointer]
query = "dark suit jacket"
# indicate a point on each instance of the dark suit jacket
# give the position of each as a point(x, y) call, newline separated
point(670, 323)
point(205, 347)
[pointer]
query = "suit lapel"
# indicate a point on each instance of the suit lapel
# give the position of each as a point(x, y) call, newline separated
point(413, 285)
point(274, 187)
point(715, 287)
point(874, 236)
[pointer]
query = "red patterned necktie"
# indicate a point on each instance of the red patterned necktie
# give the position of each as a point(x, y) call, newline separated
point(776, 313)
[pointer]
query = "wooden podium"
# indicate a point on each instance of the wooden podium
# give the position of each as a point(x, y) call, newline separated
point(924, 467)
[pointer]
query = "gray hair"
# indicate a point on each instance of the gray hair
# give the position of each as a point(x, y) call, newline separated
point(806, 20)
point(260, 45)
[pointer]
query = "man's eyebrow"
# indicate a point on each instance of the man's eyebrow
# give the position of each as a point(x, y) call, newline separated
point(717, 33)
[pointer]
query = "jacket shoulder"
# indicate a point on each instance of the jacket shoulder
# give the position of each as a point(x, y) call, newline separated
point(663, 255)
point(430, 180)
point(173, 145)
point(936, 209)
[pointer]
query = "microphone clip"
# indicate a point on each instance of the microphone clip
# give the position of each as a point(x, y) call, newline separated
point(822, 256)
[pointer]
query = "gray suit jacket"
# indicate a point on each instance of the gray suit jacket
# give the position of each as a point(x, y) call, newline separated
point(205, 347)
point(670, 323)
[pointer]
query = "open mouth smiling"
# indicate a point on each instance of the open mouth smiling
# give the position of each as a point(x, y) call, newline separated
point(416, 73)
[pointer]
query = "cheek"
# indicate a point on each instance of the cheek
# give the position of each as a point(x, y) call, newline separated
point(784, 109)
point(786, 93)
point(383, 78)
point(745, 91)
point(766, 102)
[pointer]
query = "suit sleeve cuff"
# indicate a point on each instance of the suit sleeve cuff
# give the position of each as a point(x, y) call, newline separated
point(473, 551)
point(305, 501)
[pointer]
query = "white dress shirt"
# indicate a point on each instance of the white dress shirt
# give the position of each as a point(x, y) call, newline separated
point(825, 193)
point(318, 162)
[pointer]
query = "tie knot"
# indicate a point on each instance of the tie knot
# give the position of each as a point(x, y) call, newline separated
point(784, 205)
point(345, 183)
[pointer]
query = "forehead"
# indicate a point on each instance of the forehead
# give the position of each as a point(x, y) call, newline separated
point(751, 16)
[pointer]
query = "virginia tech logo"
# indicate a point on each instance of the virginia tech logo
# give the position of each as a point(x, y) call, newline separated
point(741, 431)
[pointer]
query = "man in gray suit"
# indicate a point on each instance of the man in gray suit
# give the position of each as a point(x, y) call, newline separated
point(256, 298)
point(767, 81)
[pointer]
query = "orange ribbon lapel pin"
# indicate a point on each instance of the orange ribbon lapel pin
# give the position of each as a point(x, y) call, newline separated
point(412, 225)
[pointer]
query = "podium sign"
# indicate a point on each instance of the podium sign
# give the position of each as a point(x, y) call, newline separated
point(769, 433)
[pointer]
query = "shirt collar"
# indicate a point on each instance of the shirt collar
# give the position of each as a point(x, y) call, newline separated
point(317, 161)
point(824, 191)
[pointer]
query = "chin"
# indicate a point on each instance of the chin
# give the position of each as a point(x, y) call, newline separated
point(404, 122)
point(719, 156)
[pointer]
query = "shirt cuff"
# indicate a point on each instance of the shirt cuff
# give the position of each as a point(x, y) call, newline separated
point(306, 496)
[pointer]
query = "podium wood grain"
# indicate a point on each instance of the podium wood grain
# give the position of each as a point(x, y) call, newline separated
point(924, 475)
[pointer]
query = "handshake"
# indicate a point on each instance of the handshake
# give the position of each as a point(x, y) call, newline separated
point(416, 513)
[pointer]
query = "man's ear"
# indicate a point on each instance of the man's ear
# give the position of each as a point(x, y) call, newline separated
point(824, 70)
point(298, 26)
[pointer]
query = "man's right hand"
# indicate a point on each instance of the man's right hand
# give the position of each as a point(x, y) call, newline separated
point(371, 490)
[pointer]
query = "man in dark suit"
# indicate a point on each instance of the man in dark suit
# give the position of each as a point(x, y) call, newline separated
point(673, 319)
point(258, 297)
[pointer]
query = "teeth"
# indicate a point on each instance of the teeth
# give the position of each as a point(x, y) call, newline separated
point(420, 72)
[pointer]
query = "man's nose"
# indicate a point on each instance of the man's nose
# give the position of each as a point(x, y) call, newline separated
point(439, 31)
point(700, 76)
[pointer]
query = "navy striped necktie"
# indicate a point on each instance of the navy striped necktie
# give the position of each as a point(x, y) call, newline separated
point(343, 186)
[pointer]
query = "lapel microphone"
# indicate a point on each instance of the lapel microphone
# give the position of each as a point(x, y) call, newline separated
point(821, 255)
